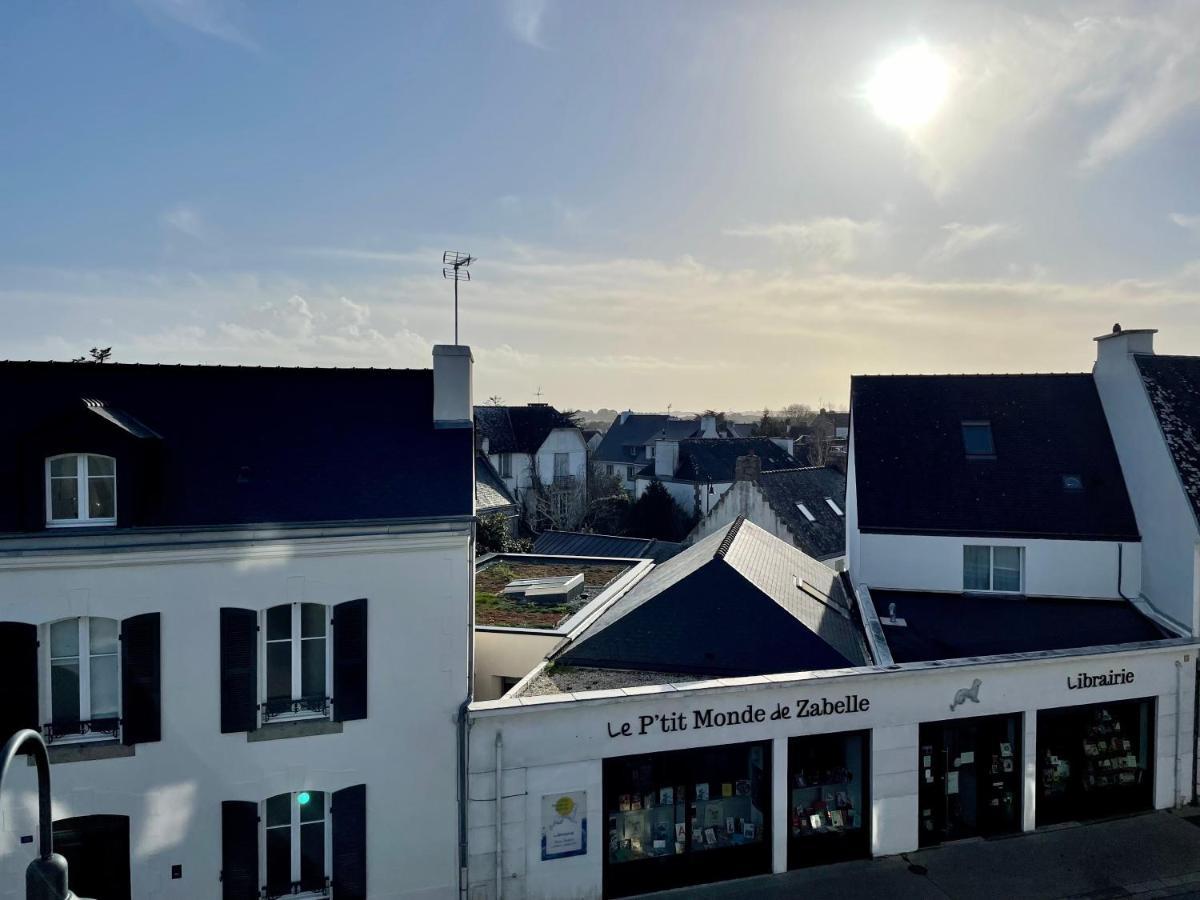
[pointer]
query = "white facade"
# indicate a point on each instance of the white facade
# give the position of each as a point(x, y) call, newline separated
point(688, 494)
point(172, 790)
point(557, 744)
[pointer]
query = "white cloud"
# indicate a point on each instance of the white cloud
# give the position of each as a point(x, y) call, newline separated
point(828, 241)
point(186, 220)
point(525, 19)
point(962, 238)
point(214, 18)
point(1188, 222)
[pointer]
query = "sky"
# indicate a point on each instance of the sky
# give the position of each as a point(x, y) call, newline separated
point(696, 204)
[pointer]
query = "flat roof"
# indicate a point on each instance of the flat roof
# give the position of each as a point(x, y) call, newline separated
point(493, 573)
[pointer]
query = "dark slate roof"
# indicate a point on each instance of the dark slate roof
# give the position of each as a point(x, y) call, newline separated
point(625, 443)
point(576, 543)
point(713, 459)
point(739, 429)
point(954, 626)
point(738, 602)
point(824, 537)
point(913, 475)
point(231, 445)
point(1173, 383)
point(518, 429)
point(490, 491)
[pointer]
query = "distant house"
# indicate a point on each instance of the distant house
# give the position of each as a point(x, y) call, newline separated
point(804, 506)
point(492, 496)
point(592, 438)
point(698, 471)
point(541, 457)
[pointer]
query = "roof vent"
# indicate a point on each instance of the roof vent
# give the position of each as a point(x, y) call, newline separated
point(551, 591)
point(1072, 483)
point(891, 619)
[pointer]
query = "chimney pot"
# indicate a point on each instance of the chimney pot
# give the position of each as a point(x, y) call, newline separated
point(452, 401)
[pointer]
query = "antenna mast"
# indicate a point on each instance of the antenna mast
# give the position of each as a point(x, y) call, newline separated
point(454, 267)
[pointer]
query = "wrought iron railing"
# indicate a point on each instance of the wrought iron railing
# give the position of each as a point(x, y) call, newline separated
point(314, 888)
point(273, 709)
point(57, 731)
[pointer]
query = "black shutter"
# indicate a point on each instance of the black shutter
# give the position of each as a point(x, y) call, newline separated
point(18, 674)
point(350, 660)
point(239, 669)
point(239, 850)
point(141, 679)
point(350, 843)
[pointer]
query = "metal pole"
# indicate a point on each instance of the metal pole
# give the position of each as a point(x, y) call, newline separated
point(456, 306)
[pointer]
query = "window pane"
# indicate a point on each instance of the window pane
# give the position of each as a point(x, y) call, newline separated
point(279, 810)
point(102, 635)
point(562, 465)
point(101, 465)
point(64, 638)
point(279, 861)
point(102, 493)
point(976, 565)
point(312, 856)
point(977, 438)
point(312, 620)
point(1006, 574)
point(65, 466)
point(104, 686)
point(64, 498)
point(279, 623)
point(64, 691)
point(314, 810)
point(279, 670)
point(312, 667)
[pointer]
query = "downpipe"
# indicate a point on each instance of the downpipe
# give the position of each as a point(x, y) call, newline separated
point(499, 816)
point(464, 777)
point(1178, 729)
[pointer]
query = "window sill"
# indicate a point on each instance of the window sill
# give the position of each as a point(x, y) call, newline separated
point(87, 751)
point(276, 731)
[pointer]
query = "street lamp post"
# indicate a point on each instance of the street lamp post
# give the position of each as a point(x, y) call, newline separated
point(46, 877)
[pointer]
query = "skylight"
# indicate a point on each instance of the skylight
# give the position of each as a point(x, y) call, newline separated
point(804, 512)
point(977, 439)
point(837, 510)
point(1072, 483)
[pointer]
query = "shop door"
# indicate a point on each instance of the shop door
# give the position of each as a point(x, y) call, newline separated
point(97, 853)
point(970, 778)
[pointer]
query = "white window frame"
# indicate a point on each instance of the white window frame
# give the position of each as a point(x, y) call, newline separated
point(991, 548)
point(294, 806)
point(45, 690)
point(81, 490)
point(505, 467)
point(837, 510)
point(297, 656)
point(804, 511)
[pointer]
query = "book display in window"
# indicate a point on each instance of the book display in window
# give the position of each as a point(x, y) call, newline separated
point(1109, 760)
point(827, 801)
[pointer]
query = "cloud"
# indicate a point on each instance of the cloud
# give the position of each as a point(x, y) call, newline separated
point(214, 18)
point(525, 20)
point(962, 238)
point(185, 220)
point(1186, 221)
point(824, 241)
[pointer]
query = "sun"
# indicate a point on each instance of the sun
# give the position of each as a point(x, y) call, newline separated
point(909, 86)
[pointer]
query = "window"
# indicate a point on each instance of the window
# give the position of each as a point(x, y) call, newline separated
point(629, 473)
point(81, 489)
point(977, 439)
point(837, 510)
point(297, 845)
point(562, 466)
point(84, 682)
point(992, 569)
point(608, 469)
point(804, 512)
point(506, 465)
point(297, 661)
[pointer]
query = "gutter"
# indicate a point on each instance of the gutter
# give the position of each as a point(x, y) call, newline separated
point(872, 627)
point(463, 724)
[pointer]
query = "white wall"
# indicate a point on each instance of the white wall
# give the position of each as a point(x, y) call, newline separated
point(559, 744)
point(418, 588)
point(562, 440)
point(685, 493)
point(508, 653)
point(1164, 515)
point(1052, 568)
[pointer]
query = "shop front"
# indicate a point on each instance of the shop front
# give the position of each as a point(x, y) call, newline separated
point(686, 817)
point(829, 798)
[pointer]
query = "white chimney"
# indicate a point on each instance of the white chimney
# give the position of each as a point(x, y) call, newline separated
point(452, 403)
point(666, 458)
point(708, 426)
point(625, 415)
point(1119, 344)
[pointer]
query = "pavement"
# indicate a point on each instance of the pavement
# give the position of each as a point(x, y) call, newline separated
point(1147, 856)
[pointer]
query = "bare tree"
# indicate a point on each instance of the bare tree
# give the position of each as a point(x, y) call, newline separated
point(820, 442)
point(95, 355)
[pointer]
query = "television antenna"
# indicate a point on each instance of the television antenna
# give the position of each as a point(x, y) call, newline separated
point(538, 394)
point(455, 267)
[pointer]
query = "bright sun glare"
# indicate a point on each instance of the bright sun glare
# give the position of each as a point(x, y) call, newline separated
point(909, 86)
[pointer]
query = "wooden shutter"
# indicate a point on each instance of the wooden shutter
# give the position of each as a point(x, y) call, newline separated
point(239, 850)
point(239, 669)
point(349, 815)
point(141, 679)
point(18, 674)
point(350, 660)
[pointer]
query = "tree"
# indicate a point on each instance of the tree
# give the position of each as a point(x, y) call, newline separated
point(820, 442)
point(495, 400)
point(769, 426)
point(657, 515)
point(494, 535)
point(608, 505)
point(96, 354)
point(798, 413)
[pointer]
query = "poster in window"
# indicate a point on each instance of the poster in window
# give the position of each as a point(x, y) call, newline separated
point(564, 825)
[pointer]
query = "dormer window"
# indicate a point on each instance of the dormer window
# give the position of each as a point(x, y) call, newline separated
point(81, 489)
point(977, 440)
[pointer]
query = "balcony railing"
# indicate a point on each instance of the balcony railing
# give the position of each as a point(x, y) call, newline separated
point(73, 728)
point(273, 709)
point(313, 887)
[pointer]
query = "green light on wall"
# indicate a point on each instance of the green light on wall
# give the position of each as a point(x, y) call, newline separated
point(303, 798)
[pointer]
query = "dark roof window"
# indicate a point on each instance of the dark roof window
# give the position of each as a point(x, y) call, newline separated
point(1072, 483)
point(977, 438)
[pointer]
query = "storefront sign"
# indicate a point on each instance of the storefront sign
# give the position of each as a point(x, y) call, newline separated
point(965, 694)
point(564, 825)
point(715, 717)
point(1111, 678)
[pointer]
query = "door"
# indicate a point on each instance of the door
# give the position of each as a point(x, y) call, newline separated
point(97, 853)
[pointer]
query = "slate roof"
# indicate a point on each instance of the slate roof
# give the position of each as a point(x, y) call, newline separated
point(231, 445)
point(913, 474)
point(954, 626)
point(576, 543)
point(824, 537)
point(1173, 384)
point(714, 459)
point(490, 491)
point(625, 443)
point(518, 429)
point(738, 602)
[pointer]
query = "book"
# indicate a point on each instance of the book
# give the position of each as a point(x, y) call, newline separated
point(623, 803)
point(713, 814)
point(815, 821)
point(702, 791)
point(1008, 765)
point(666, 796)
point(680, 832)
point(742, 787)
point(726, 789)
point(749, 831)
point(635, 802)
point(843, 800)
point(710, 836)
point(729, 825)
point(835, 819)
point(1006, 749)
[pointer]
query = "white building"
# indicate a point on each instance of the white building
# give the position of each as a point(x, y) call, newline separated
point(216, 585)
point(628, 446)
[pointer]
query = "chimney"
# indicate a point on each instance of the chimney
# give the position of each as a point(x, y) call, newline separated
point(708, 426)
point(452, 405)
point(1119, 344)
point(666, 458)
point(625, 415)
point(747, 468)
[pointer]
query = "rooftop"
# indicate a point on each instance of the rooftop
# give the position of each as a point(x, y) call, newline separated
point(494, 573)
point(491, 494)
point(576, 543)
point(714, 459)
point(824, 534)
point(518, 429)
point(1173, 384)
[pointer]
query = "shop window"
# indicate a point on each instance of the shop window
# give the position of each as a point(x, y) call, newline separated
point(84, 679)
point(997, 569)
point(1095, 761)
point(297, 661)
point(296, 842)
point(97, 853)
point(829, 804)
point(81, 489)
